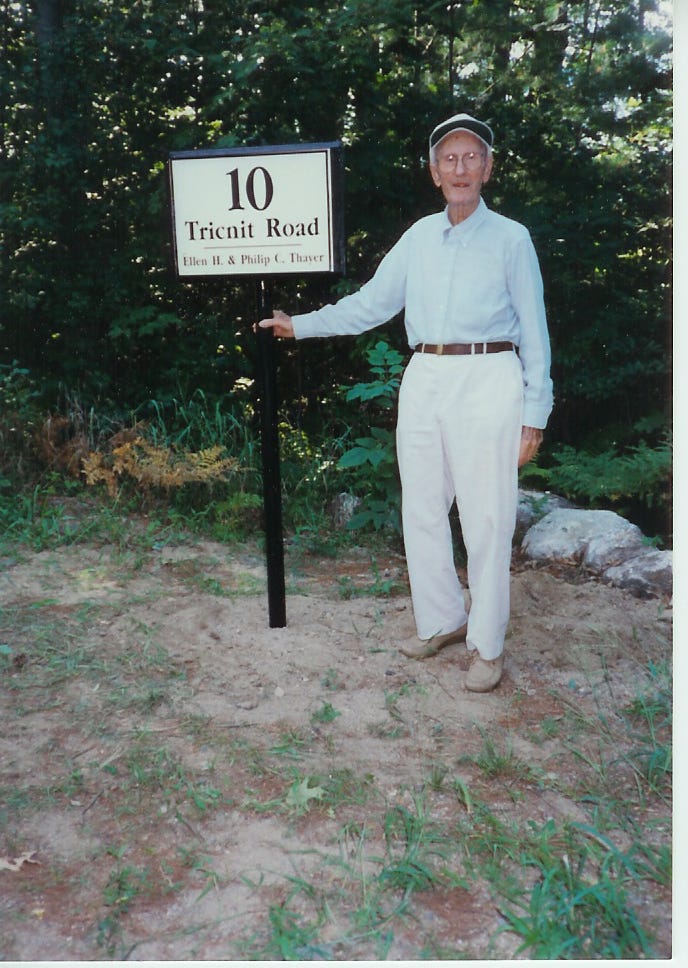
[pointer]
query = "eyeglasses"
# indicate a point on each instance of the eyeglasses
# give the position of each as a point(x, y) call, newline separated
point(471, 161)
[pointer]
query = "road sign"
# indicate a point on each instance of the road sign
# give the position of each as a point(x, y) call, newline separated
point(260, 212)
point(257, 211)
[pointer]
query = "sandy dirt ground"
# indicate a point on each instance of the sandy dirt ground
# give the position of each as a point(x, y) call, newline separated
point(157, 735)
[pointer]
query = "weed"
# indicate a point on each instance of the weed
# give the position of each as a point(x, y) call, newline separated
point(498, 762)
point(382, 586)
point(385, 730)
point(251, 757)
point(347, 589)
point(159, 771)
point(331, 680)
point(438, 774)
point(290, 937)
point(650, 718)
point(569, 914)
point(326, 714)
point(290, 745)
point(551, 727)
point(578, 905)
point(460, 788)
point(412, 842)
point(652, 862)
point(124, 885)
point(343, 786)
point(392, 701)
point(192, 860)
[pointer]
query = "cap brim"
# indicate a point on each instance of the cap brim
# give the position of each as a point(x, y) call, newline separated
point(477, 128)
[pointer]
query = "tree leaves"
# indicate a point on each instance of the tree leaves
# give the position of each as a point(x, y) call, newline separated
point(579, 94)
point(16, 863)
point(301, 793)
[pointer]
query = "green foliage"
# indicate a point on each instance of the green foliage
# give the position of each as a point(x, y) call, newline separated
point(650, 717)
point(569, 914)
point(326, 714)
point(580, 898)
point(94, 97)
point(290, 937)
point(19, 418)
point(642, 473)
point(386, 365)
point(374, 456)
point(414, 844)
point(124, 885)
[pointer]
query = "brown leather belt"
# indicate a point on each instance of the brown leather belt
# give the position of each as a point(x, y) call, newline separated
point(463, 349)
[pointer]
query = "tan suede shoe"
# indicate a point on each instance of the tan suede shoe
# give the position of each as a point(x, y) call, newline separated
point(426, 648)
point(484, 674)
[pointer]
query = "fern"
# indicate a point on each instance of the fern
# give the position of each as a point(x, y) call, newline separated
point(156, 467)
point(642, 473)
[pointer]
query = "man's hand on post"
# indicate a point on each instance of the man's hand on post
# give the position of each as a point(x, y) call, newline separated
point(531, 438)
point(280, 324)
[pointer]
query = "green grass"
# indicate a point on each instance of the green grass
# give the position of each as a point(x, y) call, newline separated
point(578, 906)
point(151, 768)
point(125, 884)
point(164, 781)
point(326, 714)
point(472, 822)
point(382, 585)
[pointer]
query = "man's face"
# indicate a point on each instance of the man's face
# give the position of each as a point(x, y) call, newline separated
point(461, 168)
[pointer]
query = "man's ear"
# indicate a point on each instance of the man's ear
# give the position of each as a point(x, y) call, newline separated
point(488, 170)
point(434, 174)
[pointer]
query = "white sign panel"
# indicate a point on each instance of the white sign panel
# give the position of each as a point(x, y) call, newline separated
point(257, 211)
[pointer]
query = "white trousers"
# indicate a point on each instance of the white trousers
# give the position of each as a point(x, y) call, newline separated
point(458, 436)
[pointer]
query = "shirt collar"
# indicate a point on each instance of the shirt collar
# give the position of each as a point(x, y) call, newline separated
point(468, 226)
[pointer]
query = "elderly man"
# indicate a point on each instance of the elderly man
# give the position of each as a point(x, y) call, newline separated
point(474, 398)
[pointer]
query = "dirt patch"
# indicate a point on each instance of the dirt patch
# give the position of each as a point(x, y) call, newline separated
point(190, 784)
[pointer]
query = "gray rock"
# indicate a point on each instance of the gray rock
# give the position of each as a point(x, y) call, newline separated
point(612, 547)
point(533, 506)
point(343, 507)
point(606, 544)
point(567, 532)
point(645, 575)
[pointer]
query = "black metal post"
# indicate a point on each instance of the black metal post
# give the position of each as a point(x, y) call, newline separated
point(272, 485)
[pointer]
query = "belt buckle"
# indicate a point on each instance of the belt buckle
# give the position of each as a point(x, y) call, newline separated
point(439, 349)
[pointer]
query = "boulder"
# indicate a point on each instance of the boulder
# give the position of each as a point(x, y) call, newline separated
point(645, 575)
point(606, 544)
point(533, 506)
point(342, 508)
point(612, 546)
point(574, 533)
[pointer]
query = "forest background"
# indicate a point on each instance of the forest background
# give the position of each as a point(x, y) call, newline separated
point(110, 364)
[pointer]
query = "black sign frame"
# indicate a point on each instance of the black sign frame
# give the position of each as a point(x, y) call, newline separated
point(333, 155)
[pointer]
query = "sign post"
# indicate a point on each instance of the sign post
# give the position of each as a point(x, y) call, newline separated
point(272, 480)
point(260, 212)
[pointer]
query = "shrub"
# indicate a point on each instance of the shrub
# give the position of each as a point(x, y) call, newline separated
point(373, 457)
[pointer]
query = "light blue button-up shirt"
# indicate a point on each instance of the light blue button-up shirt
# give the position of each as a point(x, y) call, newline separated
point(472, 282)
